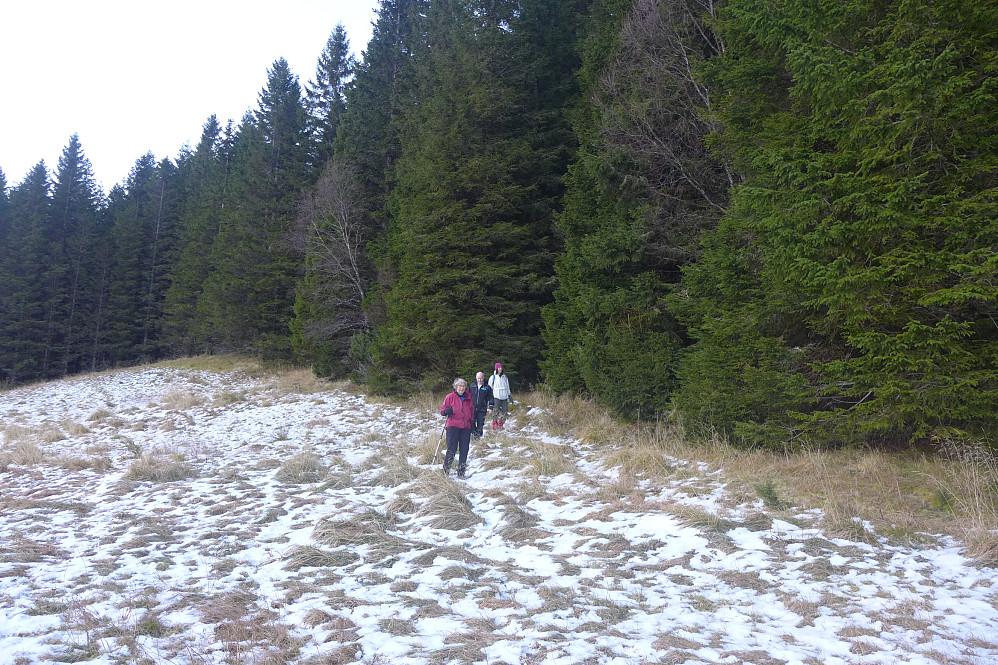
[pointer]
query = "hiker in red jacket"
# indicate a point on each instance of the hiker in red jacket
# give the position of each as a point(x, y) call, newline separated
point(460, 412)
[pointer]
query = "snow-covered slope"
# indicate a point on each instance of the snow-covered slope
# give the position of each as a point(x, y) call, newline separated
point(169, 515)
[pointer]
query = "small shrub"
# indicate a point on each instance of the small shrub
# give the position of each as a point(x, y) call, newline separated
point(767, 492)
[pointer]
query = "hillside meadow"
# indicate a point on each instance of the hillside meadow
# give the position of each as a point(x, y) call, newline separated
point(214, 510)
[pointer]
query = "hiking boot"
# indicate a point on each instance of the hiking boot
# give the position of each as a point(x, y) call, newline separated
point(460, 472)
point(448, 459)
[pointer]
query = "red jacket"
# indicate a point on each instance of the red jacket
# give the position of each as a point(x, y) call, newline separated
point(464, 410)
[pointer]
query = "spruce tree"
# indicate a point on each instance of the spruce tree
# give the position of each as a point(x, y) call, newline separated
point(4, 212)
point(76, 201)
point(640, 193)
point(24, 294)
point(848, 293)
point(470, 246)
point(248, 297)
point(135, 218)
point(326, 95)
point(203, 203)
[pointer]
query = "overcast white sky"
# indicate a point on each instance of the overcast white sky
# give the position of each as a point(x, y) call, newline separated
point(132, 76)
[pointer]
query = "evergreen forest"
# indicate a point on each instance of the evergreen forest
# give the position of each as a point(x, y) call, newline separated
point(775, 220)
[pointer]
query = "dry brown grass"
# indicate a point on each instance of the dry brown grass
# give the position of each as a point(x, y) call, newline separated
point(177, 400)
point(446, 505)
point(26, 550)
point(99, 416)
point(160, 467)
point(548, 459)
point(74, 428)
point(369, 528)
point(397, 469)
point(902, 495)
point(307, 556)
point(298, 381)
point(303, 468)
point(22, 452)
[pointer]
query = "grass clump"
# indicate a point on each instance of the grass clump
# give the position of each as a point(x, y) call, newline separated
point(158, 467)
point(303, 468)
point(176, 400)
point(369, 528)
point(446, 507)
point(308, 556)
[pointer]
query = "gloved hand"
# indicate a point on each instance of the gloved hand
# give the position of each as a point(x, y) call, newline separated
point(448, 411)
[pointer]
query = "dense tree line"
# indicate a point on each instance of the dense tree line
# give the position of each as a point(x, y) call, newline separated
point(774, 220)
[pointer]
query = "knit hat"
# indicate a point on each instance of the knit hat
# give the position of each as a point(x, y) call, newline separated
point(498, 365)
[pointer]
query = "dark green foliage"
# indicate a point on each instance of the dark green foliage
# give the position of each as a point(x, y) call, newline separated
point(850, 289)
point(141, 218)
point(367, 140)
point(470, 247)
point(247, 299)
point(639, 195)
point(204, 181)
point(76, 201)
point(326, 94)
point(24, 296)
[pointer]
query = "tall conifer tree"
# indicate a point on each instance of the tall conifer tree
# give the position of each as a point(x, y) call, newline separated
point(326, 94)
point(76, 200)
point(24, 296)
point(849, 293)
point(203, 202)
point(249, 295)
point(641, 192)
point(483, 152)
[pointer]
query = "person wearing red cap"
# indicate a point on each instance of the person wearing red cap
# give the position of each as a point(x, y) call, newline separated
point(501, 396)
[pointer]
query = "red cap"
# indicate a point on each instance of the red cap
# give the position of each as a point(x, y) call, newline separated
point(498, 365)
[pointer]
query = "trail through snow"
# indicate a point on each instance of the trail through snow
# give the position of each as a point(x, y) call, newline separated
point(169, 515)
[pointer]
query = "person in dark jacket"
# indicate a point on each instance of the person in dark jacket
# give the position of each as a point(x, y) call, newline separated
point(460, 412)
point(481, 397)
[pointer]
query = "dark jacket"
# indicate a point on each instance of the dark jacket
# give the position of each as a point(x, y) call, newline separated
point(461, 411)
point(481, 397)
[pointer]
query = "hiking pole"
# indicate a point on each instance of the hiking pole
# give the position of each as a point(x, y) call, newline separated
point(438, 444)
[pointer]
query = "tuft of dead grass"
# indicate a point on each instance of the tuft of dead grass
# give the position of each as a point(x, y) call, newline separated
point(99, 416)
point(177, 400)
point(23, 452)
point(397, 469)
point(369, 528)
point(25, 550)
point(299, 381)
point(549, 459)
point(160, 467)
point(303, 468)
point(446, 506)
point(307, 556)
point(74, 428)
